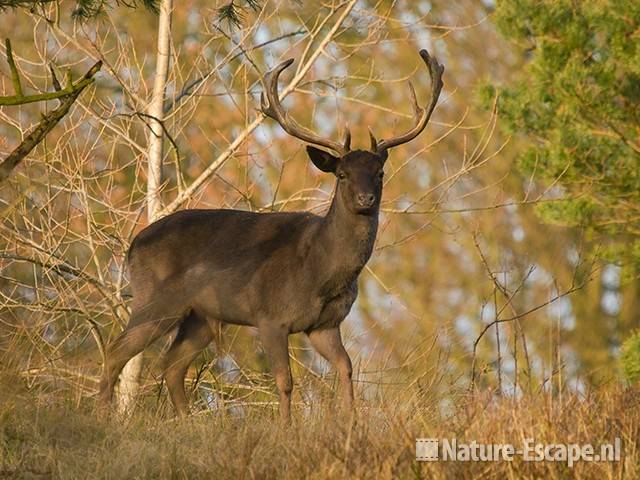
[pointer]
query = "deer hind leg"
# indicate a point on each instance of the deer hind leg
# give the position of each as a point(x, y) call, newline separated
point(141, 332)
point(328, 343)
point(194, 334)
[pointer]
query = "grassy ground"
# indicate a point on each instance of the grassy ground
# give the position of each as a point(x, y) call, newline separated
point(57, 436)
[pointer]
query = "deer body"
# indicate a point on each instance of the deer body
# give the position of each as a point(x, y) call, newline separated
point(282, 273)
point(246, 268)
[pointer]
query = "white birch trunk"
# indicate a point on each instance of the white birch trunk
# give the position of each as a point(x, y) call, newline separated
point(130, 376)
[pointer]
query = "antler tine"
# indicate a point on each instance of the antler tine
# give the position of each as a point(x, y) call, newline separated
point(268, 106)
point(417, 110)
point(421, 115)
point(272, 108)
point(347, 138)
point(374, 142)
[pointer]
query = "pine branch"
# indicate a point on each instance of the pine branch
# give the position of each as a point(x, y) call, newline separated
point(84, 9)
point(233, 14)
point(31, 4)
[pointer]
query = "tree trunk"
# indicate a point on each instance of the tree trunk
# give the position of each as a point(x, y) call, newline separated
point(130, 377)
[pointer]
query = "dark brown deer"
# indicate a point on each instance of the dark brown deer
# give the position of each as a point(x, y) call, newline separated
point(282, 273)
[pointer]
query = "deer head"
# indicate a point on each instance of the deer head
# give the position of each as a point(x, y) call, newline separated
point(359, 172)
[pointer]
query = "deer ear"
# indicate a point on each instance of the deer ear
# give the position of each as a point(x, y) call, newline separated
point(323, 160)
point(384, 154)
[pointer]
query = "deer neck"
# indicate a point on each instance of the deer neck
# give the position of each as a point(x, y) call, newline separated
point(345, 240)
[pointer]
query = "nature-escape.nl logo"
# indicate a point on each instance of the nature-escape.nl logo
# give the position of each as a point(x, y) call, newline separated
point(449, 449)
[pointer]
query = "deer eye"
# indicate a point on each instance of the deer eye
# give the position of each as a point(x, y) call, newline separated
point(380, 174)
point(342, 175)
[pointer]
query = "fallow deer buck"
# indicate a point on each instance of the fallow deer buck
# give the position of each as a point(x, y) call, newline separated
point(282, 273)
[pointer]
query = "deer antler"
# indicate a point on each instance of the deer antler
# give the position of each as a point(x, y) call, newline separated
point(272, 108)
point(421, 115)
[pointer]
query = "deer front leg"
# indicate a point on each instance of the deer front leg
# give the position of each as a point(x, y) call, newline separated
point(276, 347)
point(328, 343)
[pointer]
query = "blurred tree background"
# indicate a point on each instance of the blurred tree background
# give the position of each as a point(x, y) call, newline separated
point(576, 104)
point(508, 248)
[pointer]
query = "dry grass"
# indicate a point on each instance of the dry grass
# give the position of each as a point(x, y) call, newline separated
point(55, 436)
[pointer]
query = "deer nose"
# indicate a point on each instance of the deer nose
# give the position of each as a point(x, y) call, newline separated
point(366, 199)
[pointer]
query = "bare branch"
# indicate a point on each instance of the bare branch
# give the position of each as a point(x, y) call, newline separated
point(67, 98)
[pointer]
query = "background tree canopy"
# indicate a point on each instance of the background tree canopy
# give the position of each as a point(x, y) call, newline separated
point(577, 103)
